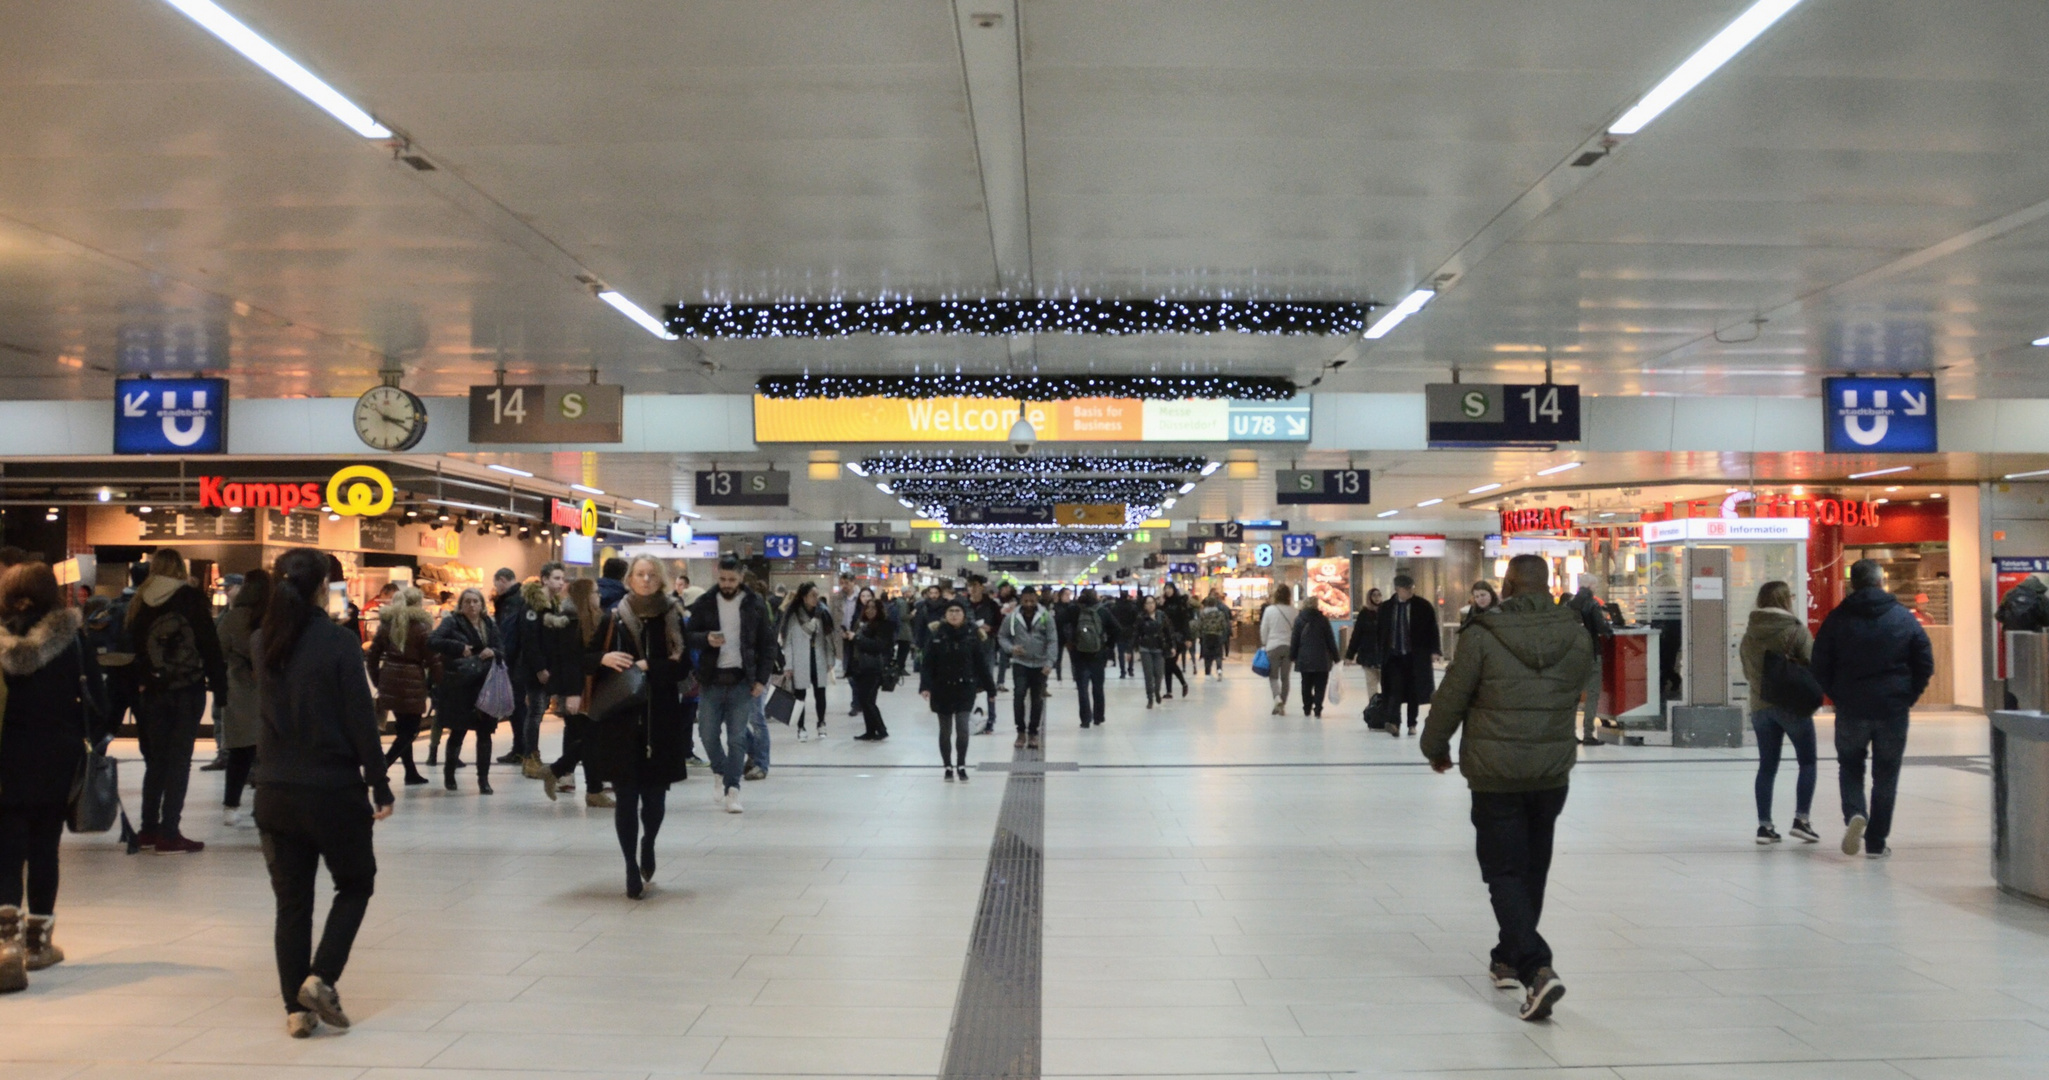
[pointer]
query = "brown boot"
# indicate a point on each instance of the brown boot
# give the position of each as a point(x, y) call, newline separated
point(13, 965)
point(600, 799)
point(42, 952)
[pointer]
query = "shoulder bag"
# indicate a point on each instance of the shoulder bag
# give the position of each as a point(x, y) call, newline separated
point(615, 695)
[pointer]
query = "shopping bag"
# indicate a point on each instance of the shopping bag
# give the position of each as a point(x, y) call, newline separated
point(1337, 688)
point(1260, 664)
point(495, 699)
point(779, 705)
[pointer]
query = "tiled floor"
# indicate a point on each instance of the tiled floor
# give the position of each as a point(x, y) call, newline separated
point(1227, 893)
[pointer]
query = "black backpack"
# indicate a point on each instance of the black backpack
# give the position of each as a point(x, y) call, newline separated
point(170, 647)
point(1790, 685)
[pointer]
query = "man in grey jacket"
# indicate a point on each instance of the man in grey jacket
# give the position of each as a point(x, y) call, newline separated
point(1030, 641)
point(1513, 685)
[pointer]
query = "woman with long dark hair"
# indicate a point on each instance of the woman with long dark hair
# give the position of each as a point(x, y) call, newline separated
point(581, 599)
point(55, 706)
point(642, 749)
point(810, 645)
point(319, 768)
point(873, 642)
point(467, 640)
point(241, 715)
point(1364, 646)
point(951, 674)
point(1149, 632)
point(403, 661)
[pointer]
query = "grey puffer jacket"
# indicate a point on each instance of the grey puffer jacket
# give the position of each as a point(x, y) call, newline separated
point(1514, 686)
point(1772, 630)
point(1038, 639)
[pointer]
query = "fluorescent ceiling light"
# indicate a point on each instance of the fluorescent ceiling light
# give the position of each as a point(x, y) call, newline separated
point(1215, 465)
point(633, 311)
point(649, 505)
point(1719, 50)
point(1891, 489)
point(807, 543)
point(1387, 513)
point(884, 488)
point(1880, 502)
point(1410, 305)
point(2040, 342)
point(509, 469)
point(1935, 494)
point(1186, 488)
point(1428, 502)
point(855, 468)
point(285, 69)
point(906, 504)
point(1482, 488)
point(1556, 469)
point(691, 516)
point(586, 490)
point(1880, 472)
point(2008, 476)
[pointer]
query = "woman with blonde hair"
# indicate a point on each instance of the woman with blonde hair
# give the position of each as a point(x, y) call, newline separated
point(405, 665)
point(177, 660)
point(642, 744)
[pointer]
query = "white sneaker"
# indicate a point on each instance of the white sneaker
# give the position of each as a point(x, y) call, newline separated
point(301, 1025)
point(231, 817)
point(733, 800)
point(801, 737)
point(1853, 834)
point(718, 793)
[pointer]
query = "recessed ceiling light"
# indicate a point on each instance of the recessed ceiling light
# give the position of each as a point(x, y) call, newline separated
point(1387, 513)
point(1880, 472)
point(1212, 467)
point(586, 490)
point(633, 311)
point(2040, 343)
point(2008, 476)
point(1482, 488)
point(1410, 305)
point(285, 69)
point(855, 468)
point(1892, 489)
point(1880, 502)
point(1556, 469)
point(1935, 494)
point(1186, 488)
point(1428, 502)
point(509, 469)
point(1719, 50)
point(649, 505)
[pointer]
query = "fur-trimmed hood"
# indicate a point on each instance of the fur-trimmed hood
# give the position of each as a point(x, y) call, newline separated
point(553, 613)
point(26, 654)
point(672, 624)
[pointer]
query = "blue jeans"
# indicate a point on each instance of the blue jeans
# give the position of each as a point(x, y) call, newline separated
point(722, 715)
point(1885, 740)
point(528, 734)
point(1088, 685)
point(757, 734)
point(1773, 725)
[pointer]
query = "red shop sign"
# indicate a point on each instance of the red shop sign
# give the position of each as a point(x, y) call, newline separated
point(221, 493)
point(566, 514)
point(1549, 519)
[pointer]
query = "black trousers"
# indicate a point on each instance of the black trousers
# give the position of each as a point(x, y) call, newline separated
point(168, 724)
point(405, 729)
point(29, 836)
point(1088, 685)
point(483, 726)
point(1512, 835)
point(865, 689)
point(240, 760)
point(1313, 685)
point(1030, 684)
point(814, 700)
point(1212, 653)
point(301, 827)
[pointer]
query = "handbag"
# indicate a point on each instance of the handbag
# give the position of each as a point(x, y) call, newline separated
point(1261, 665)
point(1791, 685)
point(611, 695)
point(495, 700)
point(779, 704)
point(95, 803)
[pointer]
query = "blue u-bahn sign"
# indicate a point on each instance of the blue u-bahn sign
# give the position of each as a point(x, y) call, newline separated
point(170, 416)
point(1878, 415)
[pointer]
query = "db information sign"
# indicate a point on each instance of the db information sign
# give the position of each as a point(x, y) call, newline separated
point(1878, 415)
point(170, 416)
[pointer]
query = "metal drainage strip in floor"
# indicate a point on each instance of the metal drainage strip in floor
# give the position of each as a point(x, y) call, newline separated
point(996, 1022)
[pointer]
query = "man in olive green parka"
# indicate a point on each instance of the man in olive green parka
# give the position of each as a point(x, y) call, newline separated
point(1514, 686)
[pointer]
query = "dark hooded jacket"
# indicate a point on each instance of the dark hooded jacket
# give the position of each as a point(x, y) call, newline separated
point(1313, 642)
point(1514, 686)
point(1772, 630)
point(54, 702)
point(319, 719)
point(953, 669)
point(2025, 607)
point(548, 639)
point(1872, 657)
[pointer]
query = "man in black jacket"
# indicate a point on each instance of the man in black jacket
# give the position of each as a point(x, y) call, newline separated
point(549, 644)
point(178, 659)
point(1409, 640)
point(1125, 610)
point(1873, 659)
point(1089, 664)
point(986, 615)
point(2026, 609)
point(735, 641)
point(508, 611)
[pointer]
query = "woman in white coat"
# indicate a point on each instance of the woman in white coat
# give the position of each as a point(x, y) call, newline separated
point(810, 645)
point(1276, 630)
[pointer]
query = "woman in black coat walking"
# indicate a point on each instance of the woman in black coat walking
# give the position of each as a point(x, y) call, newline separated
point(55, 706)
point(1364, 647)
point(319, 769)
point(467, 640)
point(1313, 645)
point(870, 648)
point(952, 673)
point(640, 749)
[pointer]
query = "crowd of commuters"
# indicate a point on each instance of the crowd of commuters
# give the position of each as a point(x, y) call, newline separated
point(639, 666)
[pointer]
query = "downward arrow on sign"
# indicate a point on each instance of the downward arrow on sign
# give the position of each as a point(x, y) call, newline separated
point(1917, 404)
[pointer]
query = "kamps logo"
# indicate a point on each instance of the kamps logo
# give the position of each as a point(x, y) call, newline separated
point(170, 416)
point(1879, 415)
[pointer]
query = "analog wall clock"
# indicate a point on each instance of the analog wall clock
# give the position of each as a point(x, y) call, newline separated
point(390, 418)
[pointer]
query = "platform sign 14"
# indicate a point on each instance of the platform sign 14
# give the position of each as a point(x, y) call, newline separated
point(1487, 414)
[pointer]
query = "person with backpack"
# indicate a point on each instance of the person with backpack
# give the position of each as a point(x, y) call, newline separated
point(1213, 625)
point(1090, 636)
point(178, 659)
point(1313, 649)
point(2025, 608)
point(1595, 619)
point(1776, 637)
point(54, 707)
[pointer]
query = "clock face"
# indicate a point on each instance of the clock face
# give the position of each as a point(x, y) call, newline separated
point(388, 418)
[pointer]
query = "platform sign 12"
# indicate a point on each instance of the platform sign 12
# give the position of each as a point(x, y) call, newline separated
point(1878, 415)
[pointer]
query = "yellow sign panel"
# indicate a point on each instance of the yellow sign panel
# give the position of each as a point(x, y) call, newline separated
point(360, 491)
point(1088, 513)
point(946, 419)
point(587, 519)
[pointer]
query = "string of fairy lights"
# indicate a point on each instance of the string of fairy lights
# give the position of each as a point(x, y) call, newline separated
point(1003, 544)
point(1029, 387)
point(1053, 465)
point(1016, 491)
point(1004, 317)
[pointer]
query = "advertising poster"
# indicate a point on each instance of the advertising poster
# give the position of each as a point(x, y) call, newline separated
point(1330, 582)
